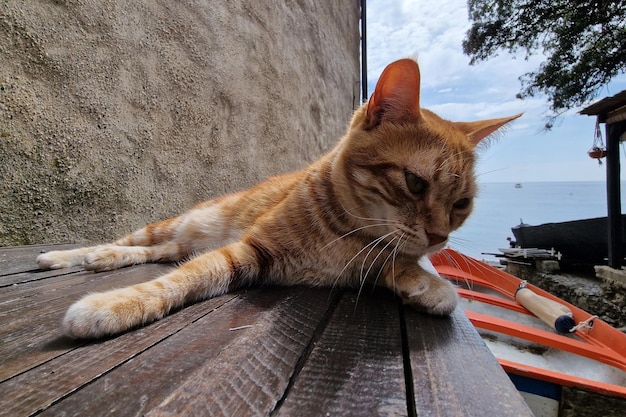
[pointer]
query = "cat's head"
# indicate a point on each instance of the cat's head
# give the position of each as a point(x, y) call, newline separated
point(407, 170)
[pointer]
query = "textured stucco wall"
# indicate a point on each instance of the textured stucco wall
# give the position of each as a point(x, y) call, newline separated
point(116, 113)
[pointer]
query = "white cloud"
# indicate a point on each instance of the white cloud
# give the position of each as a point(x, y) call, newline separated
point(433, 32)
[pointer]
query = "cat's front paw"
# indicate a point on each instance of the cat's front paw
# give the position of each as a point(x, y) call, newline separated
point(59, 259)
point(432, 295)
point(95, 316)
point(109, 257)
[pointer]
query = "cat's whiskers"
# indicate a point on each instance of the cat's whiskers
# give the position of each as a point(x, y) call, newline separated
point(478, 175)
point(380, 223)
point(444, 152)
point(373, 243)
point(487, 268)
point(377, 256)
point(388, 221)
point(449, 156)
point(460, 242)
point(363, 277)
point(378, 240)
point(393, 263)
point(468, 283)
point(354, 231)
point(403, 244)
point(392, 255)
point(408, 233)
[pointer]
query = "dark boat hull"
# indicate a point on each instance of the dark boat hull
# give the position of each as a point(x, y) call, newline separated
point(579, 241)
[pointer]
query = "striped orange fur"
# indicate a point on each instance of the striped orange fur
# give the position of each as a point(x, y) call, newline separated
point(398, 182)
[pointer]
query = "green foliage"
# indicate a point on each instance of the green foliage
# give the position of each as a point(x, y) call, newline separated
point(584, 42)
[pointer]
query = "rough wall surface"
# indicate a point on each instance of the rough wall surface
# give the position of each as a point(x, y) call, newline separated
point(117, 113)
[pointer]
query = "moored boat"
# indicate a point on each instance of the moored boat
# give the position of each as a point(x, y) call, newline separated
point(541, 363)
point(582, 241)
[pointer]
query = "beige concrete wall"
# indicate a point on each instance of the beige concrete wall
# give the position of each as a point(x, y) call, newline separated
point(117, 113)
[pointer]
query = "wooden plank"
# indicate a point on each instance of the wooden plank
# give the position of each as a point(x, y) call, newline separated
point(30, 276)
point(453, 371)
point(356, 367)
point(78, 364)
point(250, 377)
point(275, 351)
point(234, 361)
point(26, 295)
point(17, 259)
point(31, 294)
point(32, 319)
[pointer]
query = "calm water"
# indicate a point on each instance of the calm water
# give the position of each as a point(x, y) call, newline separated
point(500, 206)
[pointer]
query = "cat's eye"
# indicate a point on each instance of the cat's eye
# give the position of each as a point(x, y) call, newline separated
point(415, 184)
point(462, 203)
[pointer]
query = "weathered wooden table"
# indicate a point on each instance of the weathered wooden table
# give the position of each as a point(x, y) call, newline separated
point(272, 351)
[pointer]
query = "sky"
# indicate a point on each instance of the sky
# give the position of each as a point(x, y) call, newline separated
point(432, 32)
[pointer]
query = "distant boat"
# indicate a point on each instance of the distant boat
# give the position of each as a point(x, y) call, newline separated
point(579, 241)
point(518, 185)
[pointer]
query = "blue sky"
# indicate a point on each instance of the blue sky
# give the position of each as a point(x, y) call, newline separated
point(432, 32)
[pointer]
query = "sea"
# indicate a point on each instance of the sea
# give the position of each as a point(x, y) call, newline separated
point(500, 206)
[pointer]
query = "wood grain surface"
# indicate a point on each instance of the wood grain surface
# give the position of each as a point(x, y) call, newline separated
point(276, 351)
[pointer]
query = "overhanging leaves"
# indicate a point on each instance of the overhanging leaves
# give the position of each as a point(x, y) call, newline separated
point(584, 43)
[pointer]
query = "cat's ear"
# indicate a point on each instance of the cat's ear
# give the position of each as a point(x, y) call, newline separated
point(397, 94)
point(479, 130)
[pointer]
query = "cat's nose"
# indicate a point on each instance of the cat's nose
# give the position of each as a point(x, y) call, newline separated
point(435, 239)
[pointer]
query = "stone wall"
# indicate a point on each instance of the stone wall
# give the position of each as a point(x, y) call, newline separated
point(116, 113)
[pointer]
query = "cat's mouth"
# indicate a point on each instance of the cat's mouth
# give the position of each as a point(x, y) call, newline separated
point(437, 247)
point(418, 246)
point(435, 239)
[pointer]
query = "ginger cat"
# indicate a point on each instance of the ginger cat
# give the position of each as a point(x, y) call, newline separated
point(391, 191)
